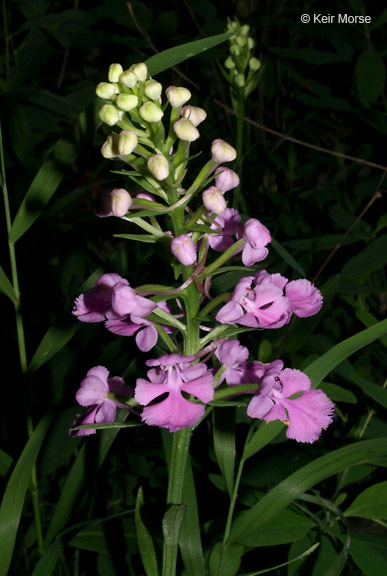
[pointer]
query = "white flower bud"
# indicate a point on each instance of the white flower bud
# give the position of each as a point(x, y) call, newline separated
point(185, 130)
point(127, 101)
point(222, 152)
point(110, 147)
point(194, 113)
point(254, 64)
point(150, 112)
point(105, 90)
point(213, 200)
point(115, 70)
point(158, 166)
point(153, 89)
point(141, 71)
point(121, 201)
point(128, 79)
point(127, 142)
point(109, 114)
point(177, 96)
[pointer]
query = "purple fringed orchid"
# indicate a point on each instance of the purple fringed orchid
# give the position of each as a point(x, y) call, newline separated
point(172, 374)
point(93, 305)
point(306, 416)
point(225, 226)
point(93, 394)
point(256, 236)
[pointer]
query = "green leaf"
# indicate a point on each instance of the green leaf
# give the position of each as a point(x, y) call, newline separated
point(287, 257)
point(48, 561)
point(15, 492)
point(338, 393)
point(51, 174)
point(369, 320)
point(372, 503)
point(372, 258)
point(144, 539)
point(94, 538)
point(147, 238)
point(368, 451)
point(377, 393)
point(54, 340)
point(370, 562)
point(266, 432)
point(328, 361)
point(171, 529)
point(370, 76)
point(173, 56)
point(285, 527)
point(382, 19)
point(5, 462)
point(6, 286)
point(224, 443)
point(225, 561)
point(300, 557)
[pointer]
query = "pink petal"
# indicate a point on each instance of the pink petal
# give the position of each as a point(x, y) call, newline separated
point(306, 299)
point(309, 415)
point(122, 327)
point(252, 255)
point(201, 388)
point(124, 299)
point(174, 413)
point(146, 338)
point(259, 406)
point(106, 412)
point(230, 313)
point(293, 381)
point(147, 391)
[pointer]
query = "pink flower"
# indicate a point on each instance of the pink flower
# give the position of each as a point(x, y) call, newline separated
point(93, 393)
point(93, 305)
point(256, 236)
point(306, 416)
point(183, 248)
point(226, 225)
point(173, 374)
point(226, 179)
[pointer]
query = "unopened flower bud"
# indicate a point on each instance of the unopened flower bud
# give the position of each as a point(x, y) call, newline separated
point(229, 63)
point(110, 147)
point(141, 71)
point(121, 201)
point(234, 49)
point(213, 200)
point(250, 43)
point(150, 112)
point(106, 90)
point(241, 41)
point(146, 196)
point(222, 152)
point(109, 114)
point(153, 89)
point(183, 248)
point(185, 130)
point(177, 96)
point(240, 80)
point(254, 64)
point(195, 114)
point(226, 179)
point(127, 101)
point(244, 30)
point(158, 166)
point(127, 142)
point(128, 79)
point(115, 71)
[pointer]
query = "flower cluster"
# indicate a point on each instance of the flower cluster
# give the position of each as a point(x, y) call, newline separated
point(203, 235)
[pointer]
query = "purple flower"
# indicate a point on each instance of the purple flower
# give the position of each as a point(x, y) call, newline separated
point(183, 248)
point(256, 236)
point(226, 179)
point(172, 375)
point(226, 225)
point(93, 305)
point(306, 416)
point(93, 393)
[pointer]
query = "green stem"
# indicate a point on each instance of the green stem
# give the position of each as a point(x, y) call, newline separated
point(21, 340)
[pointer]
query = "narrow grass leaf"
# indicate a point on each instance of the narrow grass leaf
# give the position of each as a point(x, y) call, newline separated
point(48, 561)
point(368, 451)
point(5, 462)
point(224, 444)
point(287, 257)
point(15, 493)
point(300, 557)
point(266, 432)
point(53, 341)
point(173, 56)
point(6, 286)
point(374, 391)
point(144, 539)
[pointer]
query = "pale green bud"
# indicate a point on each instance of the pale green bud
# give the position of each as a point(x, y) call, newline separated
point(109, 114)
point(115, 70)
point(158, 166)
point(153, 89)
point(235, 50)
point(241, 41)
point(128, 79)
point(254, 64)
point(150, 112)
point(127, 142)
point(105, 90)
point(244, 30)
point(194, 114)
point(229, 63)
point(214, 201)
point(110, 147)
point(177, 96)
point(185, 130)
point(240, 80)
point(141, 71)
point(250, 43)
point(127, 101)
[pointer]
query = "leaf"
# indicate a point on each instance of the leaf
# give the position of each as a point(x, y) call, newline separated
point(368, 451)
point(377, 393)
point(287, 257)
point(370, 562)
point(15, 492)
point(173, 56)
point(48, 561)
point(6, 286)
point(224, 444)
point(5, 462)
point(382, 19)
point(328, 361)
point(338, 393)
point(300, 557)
point(285, 527)
point(372, 503)
point(54, 340)
point(266, 432)
point(144, 539)
point(225, 561)
point(370, 76)
point(368, 320)
point(147, 238)
point(372, 258)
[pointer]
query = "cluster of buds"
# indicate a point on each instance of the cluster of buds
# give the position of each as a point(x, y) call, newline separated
point(180, 385)
point(242, 69)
